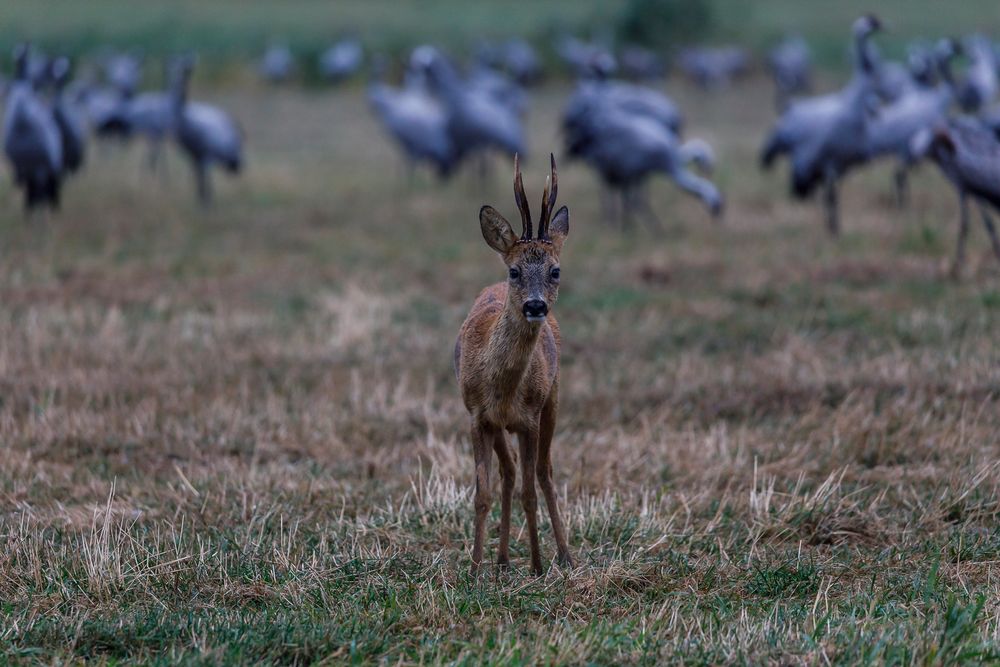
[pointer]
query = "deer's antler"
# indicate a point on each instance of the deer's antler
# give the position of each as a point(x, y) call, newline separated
point(522, 202)
point(548, 200)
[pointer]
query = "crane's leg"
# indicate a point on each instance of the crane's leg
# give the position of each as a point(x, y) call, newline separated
point(626, 207)
point(482, 440)
point(902, 186)
point(484, 169)
point(204, 185)
point(547, 427)
point(642, 200)
point(832, 203)
point(963, 234)
point(528, 441)
point(29, 197)
point(508, 474)
point(608, 209)
point(154, 155)
point(991, 230)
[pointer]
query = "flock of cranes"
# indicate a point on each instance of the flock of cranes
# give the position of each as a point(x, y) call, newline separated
point(49, 118)
point(903, 113)
point(625, 131)
point(624, 128)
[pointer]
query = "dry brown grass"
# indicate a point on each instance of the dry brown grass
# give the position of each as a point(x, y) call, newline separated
point(235, 436)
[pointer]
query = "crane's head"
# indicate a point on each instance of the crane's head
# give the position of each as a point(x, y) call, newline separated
point(22, 55)
point(60, 69)
point(532, 263)
point(867, 24)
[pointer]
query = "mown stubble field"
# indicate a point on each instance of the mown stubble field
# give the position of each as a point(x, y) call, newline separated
point(235, 435)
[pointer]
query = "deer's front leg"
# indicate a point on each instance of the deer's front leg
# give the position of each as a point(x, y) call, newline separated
point(482, 445)
point(508, 471)
point(528, 441)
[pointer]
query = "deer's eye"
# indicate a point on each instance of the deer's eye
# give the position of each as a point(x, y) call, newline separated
point(514, 273)
point(554, 273)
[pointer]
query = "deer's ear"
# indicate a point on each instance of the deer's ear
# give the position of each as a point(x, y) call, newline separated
point(496, 230)
point(559, 226)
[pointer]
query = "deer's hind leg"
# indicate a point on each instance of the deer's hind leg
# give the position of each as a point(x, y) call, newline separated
point(528, 441)
point(508, 474)
point(547, 427)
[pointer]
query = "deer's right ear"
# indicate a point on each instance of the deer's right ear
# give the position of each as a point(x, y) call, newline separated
point(496, 230)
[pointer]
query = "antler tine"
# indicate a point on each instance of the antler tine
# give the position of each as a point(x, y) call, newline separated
point(548, 199)
point(522, 201)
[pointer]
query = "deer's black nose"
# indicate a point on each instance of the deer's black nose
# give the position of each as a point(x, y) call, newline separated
point(535, 309)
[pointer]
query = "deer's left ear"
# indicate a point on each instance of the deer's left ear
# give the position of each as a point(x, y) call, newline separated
point(559, 226)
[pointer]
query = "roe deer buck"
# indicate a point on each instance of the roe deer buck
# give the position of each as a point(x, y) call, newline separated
point(507, 364)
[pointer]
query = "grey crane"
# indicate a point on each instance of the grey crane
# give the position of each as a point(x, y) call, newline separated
point(790, 64)
point(206, 134)
point(515, 57)
point(277, 64)
point(827, 135)
point(641, 64)
point(342, 60)
point(72, 130)
point(921, 61)
point(103, 108)
point(485, 80)
point(894, 126)
point(968, 154)
point(31, 139)
point(595, 89)
point(626, 148)
point(583, 57)
point(150, 114)
point(980, 86)
point(477, 121)
point(520, 61)
point(123, 71)
point(416, 120)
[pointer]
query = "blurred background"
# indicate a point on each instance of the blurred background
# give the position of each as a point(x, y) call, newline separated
point(237, 240)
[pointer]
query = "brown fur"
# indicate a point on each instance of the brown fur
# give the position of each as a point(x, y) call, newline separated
point(508, 371)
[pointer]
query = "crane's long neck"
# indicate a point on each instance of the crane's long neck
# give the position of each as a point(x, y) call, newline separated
point(509, 349)
point(179, 93)
point(944, 70)
point(865, 57)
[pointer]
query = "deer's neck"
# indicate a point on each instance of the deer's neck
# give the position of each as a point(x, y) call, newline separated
point(510, 349)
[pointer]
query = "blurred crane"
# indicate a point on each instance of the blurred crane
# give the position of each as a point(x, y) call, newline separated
point(206, 134)
point(515, 57)
point(968, 154)
point(827, 135)
point(627, 142)
point(277, 64)
point(31, 138)
point(72, 129)
point(921, 106)
point(583, 57)
point(641, 64)
point(980, 86)
point(478, 122)
point(341, 61)
point(416, 120)
point(149, 115)
point(123, 71)
point(790, 64)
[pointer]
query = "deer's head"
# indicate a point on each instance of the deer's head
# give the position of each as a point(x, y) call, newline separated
point(532, 263)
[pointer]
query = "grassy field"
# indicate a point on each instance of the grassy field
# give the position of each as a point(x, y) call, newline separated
point(234, 436)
